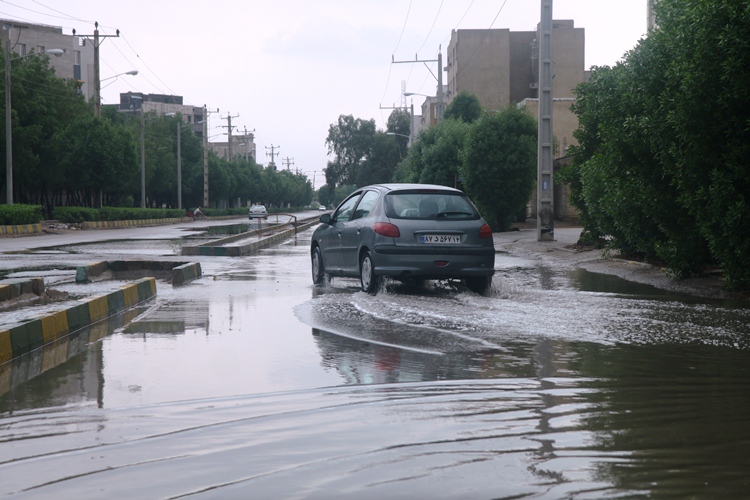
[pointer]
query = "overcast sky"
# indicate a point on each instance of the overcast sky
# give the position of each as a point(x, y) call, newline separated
point(289, 68)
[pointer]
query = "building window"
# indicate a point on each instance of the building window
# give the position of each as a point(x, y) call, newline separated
point(77, 57)
point(39, 49)
point(21, 49)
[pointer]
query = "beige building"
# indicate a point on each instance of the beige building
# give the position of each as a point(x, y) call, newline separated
point(162, 104)
point(242, 146)
point(77, 61)
point(501, 67)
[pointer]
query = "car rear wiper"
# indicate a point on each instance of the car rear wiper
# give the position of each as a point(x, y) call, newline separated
point(446, 214)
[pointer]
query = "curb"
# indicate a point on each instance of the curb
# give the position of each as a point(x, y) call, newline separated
point(109, 224)
point(21, 229)
point(243, 250)
point(13, 288)
point(179, 272)
point(24, 337)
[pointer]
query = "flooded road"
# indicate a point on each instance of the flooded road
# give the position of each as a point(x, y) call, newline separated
point(252, 383)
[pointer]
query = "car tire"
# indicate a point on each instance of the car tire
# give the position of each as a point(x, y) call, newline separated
point(319, 275)
point(368, 279)
point(479, 284)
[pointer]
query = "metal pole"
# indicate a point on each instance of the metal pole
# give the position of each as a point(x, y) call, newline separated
point(179, 164)
point(97, 80)
point(545, 207)
point(8, 126)
point(440, 87)
point(205, 156)
point(411, 124)
point(143, 158)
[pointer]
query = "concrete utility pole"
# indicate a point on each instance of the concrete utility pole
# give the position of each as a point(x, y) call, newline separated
point(439, 78)
point(97, 78)
point(8, 121)
point(229, 128)
point(545, 202)
point(206, 112)
point(287, 161)
point(272, 154)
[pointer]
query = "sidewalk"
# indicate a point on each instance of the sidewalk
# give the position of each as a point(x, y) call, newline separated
point(559, 254)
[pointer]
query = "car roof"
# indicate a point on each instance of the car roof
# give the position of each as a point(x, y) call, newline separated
point(410, 186)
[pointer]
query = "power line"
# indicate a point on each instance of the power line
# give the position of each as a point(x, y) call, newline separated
point(431, 27)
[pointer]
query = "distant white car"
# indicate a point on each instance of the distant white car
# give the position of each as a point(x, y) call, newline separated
point(322, 208)
point(257, 212)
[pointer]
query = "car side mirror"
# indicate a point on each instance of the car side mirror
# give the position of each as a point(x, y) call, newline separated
point(325, 218)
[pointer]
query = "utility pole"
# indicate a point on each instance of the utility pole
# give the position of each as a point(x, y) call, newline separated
point(206, 112)
point(272, 154)
point(287, 161)
point(97, 78)
point(545, 206)
point(8, 121)
point(229, 128)
point(439, 77)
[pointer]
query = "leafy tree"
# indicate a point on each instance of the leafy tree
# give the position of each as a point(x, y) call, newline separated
point(385, 154)
point(42, 104)
point(399, 122)
point(350, 141)
point(661, 165)
point(465, 107)
point(499, 164)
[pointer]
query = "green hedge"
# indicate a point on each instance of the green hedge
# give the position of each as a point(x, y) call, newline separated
point(82, 214)
point(11, 215)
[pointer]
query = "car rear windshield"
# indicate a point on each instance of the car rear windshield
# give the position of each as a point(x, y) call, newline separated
point(424, 204)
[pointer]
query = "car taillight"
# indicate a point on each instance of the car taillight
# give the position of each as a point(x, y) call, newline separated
point(485, 231)
point(386, 229)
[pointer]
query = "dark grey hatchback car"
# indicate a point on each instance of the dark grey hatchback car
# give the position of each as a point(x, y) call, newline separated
point(410, 232)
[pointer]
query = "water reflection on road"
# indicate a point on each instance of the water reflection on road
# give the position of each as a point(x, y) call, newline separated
point(561, 383)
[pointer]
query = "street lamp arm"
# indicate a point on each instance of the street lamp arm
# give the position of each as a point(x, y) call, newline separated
point(131, 72)
point(400, 135)
point(52, 52)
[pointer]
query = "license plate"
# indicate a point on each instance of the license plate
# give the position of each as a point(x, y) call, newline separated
point(441, 239)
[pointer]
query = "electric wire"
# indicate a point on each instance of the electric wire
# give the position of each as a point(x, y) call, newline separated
point(390, 66)
point(68, 16)
point(465, 64)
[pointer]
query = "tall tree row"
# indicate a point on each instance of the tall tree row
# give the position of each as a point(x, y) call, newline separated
point(661, 167)
point(63, 155)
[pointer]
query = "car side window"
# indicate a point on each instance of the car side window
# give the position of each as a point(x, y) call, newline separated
point(365, 205)
point(346, 209)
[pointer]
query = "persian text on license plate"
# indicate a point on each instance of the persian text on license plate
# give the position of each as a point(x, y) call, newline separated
point(441, 239)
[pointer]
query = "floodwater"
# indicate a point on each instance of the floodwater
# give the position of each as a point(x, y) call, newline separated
point(252, 383)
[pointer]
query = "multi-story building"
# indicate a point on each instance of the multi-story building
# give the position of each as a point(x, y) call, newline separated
point(77, 61)
point(242, 146)
point(501, 67)
point(162, 104)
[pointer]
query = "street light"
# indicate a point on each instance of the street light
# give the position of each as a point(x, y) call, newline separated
point(400, 135)
point(132, 72)
point(8, 118)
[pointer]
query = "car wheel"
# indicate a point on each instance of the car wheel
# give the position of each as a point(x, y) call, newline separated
point(479, 284)
point(319, 275)
point(370, 282)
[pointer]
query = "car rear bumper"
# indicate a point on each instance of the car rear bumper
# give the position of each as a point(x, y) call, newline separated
point(404, 262)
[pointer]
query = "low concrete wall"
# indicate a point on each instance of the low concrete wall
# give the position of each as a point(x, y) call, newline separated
point(178, 272)
point(186, 273)
point(108, 224)
point(20, 229)
point(215, 250)
point(12, 288)
point(22, 338)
